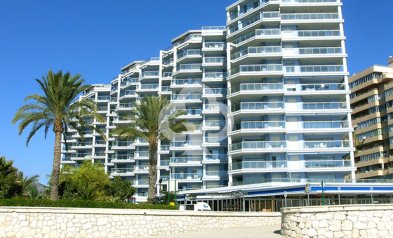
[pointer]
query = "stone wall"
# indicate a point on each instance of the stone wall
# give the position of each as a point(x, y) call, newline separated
point(87, 222)
point(338, 221)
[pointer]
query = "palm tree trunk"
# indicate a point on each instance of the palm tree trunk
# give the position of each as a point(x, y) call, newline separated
point(54, 193)
point(152, 171)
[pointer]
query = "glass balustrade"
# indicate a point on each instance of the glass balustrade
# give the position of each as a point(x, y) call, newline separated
point(318, 33)
point(127, 93)
point(310, 1)
point(309, 16)
point(320, 50)
point(215, 157)
point(257, 145)
point(149, 86)
point(214, 75)
point(122, 143)
point(324, 124)
point(167, 74)
point(190, 52)
point(214, 45)
point(193, 112)
point(100, 109)
point(260, 124)
point(314, 68)
point(324, 105)
point(123, 157)
point(81, 155)
point(259, 165)
point(100, 142)
point(186, 81)
point(258, 106)
point(214, 123)
point(142, 154)
point(122, 170)
point(185, 143)
point(103, 98)
point(321, 87)
point(214, 60)
point(186, 97)
point(257, 87)
point(87, 143)
point(125, 105)
point(165, 88)
point(164, 163)
point(184, 160)
point(326, 163)
point(164, 147)
point(186, 176)
point(186, 67)
point(150, 73)
point(257, 68)
point(211, 107)
point(214, 91)
point(258, 32)
point(326, 144)
point(257, 50)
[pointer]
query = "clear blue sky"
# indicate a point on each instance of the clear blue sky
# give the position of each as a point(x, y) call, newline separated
point(97, 38)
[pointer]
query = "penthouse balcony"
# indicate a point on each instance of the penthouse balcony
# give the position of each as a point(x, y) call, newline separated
point(236, 15)
point(309, 2)
point(186, 161)
point(257, 51)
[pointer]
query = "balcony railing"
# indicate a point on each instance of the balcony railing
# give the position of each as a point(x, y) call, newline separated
point(324, 124)
point(150, 74)
point(210, 91)
point(188, 67)
point(167, 74)
point(164, 147)
point(214, 60)
point(257, 87)
point(326, 144)
point(258, 33)
point(259, 165)
point(122, 143)
point(185, 143)
point(186, 176)
point(314, 68)
point(121, 170)
point(190, 52)
point(127, 93)
point(260, 124)
point(324, 105)
point(257, 50)
point(257, 68)
point(100, 142)
point(327, 163)
point(184, 160)
point(164, 163)
point(257, 145)
point(142, 154)
point(149, 86)
point(215, 157)
point(309, 16)
point(214, 45)
point(318, 87)
point(216, 173)
point(81, 155)
point(312, 33)
point(126, 105)
point(193, 112)
point(103, 98)
point(214, 75)
point(87, 143)
point(258, 106)
point(186, 81)
point(186, 97)
point(214, 123)
point(310, 1)
point(211, 107)
point(123, 157)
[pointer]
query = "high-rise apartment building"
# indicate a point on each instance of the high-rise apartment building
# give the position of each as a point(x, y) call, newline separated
point(372, 104)
point(267, 101)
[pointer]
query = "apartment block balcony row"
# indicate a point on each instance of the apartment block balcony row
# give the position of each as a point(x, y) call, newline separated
point(297, 35)
point(262, 106)
point(274, 166)
point(280, 69)
point(257, 126)
point(300, 145)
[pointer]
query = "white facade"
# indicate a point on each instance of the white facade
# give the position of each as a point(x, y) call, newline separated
point(266, 97)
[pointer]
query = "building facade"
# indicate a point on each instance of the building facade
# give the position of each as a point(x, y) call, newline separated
point(372, 102)
point(266, 100)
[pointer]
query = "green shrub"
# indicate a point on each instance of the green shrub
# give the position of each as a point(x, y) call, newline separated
point(21, 202)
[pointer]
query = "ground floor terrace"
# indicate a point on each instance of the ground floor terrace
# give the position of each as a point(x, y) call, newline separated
point(274, 196)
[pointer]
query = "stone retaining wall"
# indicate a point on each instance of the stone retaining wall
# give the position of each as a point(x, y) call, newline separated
point(89, 222)
point(338, 221)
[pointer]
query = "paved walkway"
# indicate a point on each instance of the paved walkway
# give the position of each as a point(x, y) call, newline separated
point(260, 232)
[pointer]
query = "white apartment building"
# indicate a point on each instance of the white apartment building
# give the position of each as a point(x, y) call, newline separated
point(267, 99)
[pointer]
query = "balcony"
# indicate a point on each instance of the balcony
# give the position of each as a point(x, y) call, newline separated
point(309, 17)
point(125, 106)
point(122, 172)
point(213, 125)
point(186, 161)
point(213, 76)
point(142, 183)
point(258, 126)
point(257, 52)
point(128, 93)
point(122, 120)
point(81, 144)
point(182, 83)
point(148, 87)
point(257, 88)
point(212, 108)
point(122, 144)
point(122, 158)
point(214, 92)
point(164, 163)
point(257, 69)
point(311, 34)
point(103, 98)
point(214, 61)
point(128, 81)
point(312, 69)
point(329, 144)
point(215, 158)
point(99, 143)
point(189, 53)
point(289, 2)
point(261, 107)
point(186, 98)
point(167, 75)
point(191, 68)
point(141, 169)
point(213, 46)
point(185, 145)
point(324, 105)
point(187, 176)
point(255, 146)
point(102, 109)
point(312, 52)
point(252, 21)
point(259, 165)
point(150, 74)
point(317, 89)
point(259, 34)
point(81, 156)
point(142, 155)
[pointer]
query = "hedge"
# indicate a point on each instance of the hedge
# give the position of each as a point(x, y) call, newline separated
point(20, 202)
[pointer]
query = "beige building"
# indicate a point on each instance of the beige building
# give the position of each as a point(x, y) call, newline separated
point(372, 115)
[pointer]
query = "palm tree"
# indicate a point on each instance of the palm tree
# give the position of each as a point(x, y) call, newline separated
point(25, 183)
point(59, 109)
point(152, 121)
